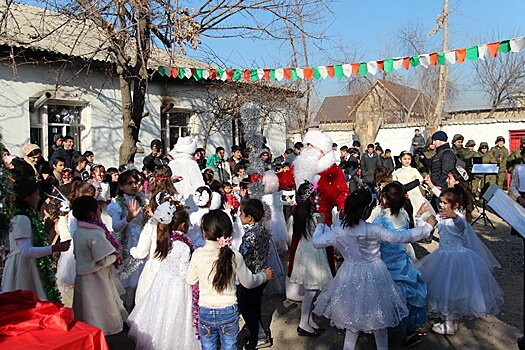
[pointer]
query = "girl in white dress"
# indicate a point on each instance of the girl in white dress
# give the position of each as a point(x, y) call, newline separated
point(202, 199)
point(363, 297)
point(128, 218)
point(412, 179)
point(28, 245)
point(165, 318)
point(162, 189)
point(460, 284)
point(309, 267)
point(97, 290)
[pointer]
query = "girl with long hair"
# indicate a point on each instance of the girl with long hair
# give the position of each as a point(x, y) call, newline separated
point(166, 316)
point(216, 267)
point(308, 267)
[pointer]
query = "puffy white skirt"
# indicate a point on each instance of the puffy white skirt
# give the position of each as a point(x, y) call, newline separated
point(163, 320)
point(362, 297)
point(310, 267)
point(460, 284)
point(66, 268)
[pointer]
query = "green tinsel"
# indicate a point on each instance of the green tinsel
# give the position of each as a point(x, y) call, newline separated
point(45, 263)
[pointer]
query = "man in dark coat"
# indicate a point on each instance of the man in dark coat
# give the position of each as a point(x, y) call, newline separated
point(156, 157)
point(370, 161)
point(441, 163)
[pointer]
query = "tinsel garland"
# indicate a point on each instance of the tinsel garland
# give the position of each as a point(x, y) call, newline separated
point(177, 236)
point(45, 263)
point(251, 116)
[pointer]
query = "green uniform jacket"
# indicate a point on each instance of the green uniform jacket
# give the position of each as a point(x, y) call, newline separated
point(514, 159)
point(461, 152)
point(503, 154)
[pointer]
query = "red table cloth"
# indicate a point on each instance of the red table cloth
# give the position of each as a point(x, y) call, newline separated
point(29, 323)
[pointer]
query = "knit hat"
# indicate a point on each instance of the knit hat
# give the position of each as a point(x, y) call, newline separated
point(483, 145)
point(500, 138)
point(319, 139)
point(458, 137)
point(440, 135)
point(29, 148)
point(156, 143)
point(471, 143)
point(185, 145)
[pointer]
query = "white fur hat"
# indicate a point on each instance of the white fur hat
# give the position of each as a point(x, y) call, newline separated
point(184, 145)
point(319, 139)
point(271, 182)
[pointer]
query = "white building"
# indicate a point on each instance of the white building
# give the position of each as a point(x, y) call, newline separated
point(86, 104)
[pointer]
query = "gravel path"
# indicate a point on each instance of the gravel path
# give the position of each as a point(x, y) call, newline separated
point(488, 333)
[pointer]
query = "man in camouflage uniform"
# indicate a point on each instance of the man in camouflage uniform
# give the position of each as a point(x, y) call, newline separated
point(457, 146)
point(486, 158)
point(501, 154)
point(515, 158)
point(470, 153)
point(430, 151)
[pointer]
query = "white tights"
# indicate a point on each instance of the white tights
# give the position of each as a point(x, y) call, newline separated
point(380, 335)
point(307, 322)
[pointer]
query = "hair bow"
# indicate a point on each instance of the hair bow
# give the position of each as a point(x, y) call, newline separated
point(224, 241)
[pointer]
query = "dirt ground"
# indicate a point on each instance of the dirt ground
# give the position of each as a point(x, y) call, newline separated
point(488, 333)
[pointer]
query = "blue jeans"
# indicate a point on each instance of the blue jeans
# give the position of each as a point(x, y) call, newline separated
point(219, 324)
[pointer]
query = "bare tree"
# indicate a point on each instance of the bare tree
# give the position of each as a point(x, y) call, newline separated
point(502, 79)
point(133, 30)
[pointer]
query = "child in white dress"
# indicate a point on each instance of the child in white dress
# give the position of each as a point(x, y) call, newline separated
point(202, 199)
point(164, 317)
point(309, 267)
point(460, 283)
point(363, 297)
point(411, 179)
point(97, 290)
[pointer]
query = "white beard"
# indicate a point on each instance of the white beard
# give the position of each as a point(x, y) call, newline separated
point(305, 166)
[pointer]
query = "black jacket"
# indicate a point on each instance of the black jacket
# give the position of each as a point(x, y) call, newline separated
point(441, 164)
point(389, 163)
point(151, 161)
point(66, 154)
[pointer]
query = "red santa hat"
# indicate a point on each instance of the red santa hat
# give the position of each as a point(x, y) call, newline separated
point(319, 139)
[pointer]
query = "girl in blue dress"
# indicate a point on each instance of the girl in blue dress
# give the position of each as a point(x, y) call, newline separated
point(396, 214)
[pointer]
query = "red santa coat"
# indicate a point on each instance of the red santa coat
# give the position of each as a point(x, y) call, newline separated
point(333, 190)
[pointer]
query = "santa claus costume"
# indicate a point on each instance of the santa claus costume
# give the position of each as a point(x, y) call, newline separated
point(317, 164)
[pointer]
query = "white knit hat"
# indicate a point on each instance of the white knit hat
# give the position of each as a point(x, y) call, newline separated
point(319, 139)
point(184, 145)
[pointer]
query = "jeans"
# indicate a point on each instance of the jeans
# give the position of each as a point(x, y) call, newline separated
point(219, 324)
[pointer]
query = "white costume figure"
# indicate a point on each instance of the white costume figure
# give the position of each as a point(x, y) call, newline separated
point(183, 165)
point(459, 282)
point(407, 174)
point(163, 319)
point(103, 197)
point(97, 290)
point(20, 270)
point(145, 249)
point(66, 267)
point(128, 234)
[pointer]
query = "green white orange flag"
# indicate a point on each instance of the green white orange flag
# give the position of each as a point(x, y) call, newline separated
point(388, 65)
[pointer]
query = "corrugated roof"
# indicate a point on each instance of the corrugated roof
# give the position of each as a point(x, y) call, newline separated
point(37, 28)
point(336, 108)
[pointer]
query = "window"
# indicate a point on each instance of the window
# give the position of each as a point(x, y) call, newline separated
point(56, 118)
point(174, 124)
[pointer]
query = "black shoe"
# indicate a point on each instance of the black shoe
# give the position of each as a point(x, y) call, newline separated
point(413, 339)
point(304, 333)
point(320, 330)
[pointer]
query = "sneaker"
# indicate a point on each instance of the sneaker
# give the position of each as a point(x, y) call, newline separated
point(444, 328)
point(264, 343)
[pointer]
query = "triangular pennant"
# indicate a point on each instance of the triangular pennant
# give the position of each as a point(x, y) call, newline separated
point(433, 58)
point(472, 53)
point(424, 60)
point(300, 73)
point(308, 73)
point(174, 72)
point(293, 74)
point(254, 75)
point(330, 71)
point(161, 70)
point(279, 74)
point(272, 74)
point(450, 57)
point(317, 74)
point(247, 75)
point(355, 69)
point(347, 69)
point(205, 74)
point(372, 67)
point(493, 49)
point(338, 71)
point(398, 63)
point(460, 55)
point(482, 51)
point(363, 70)
point(267, 74)
point(389, 65)
point(381, 65)
point(260, 74)
point(287, 73)
point(414, 61)
point(441, 58)
point(197, 74)
point(188, 72)
point(517, 44)
point(323, 71)
point(229, 74)
point(504, 46)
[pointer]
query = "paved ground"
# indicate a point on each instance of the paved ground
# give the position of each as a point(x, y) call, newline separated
point(500, 332)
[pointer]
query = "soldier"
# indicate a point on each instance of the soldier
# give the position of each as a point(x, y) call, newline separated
point(501, 154)
point(486, 158)
point(457, 146)
point(430, 151)
point(470, 153)
point(515, 158)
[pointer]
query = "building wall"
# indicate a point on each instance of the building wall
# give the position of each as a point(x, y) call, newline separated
point(101, 116)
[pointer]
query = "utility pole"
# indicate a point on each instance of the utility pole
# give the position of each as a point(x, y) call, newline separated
point(442, 21)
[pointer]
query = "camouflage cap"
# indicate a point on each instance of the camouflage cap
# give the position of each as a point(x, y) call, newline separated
point(457, 137)
point(500, 138)
point(483, 145)
point(471, 143)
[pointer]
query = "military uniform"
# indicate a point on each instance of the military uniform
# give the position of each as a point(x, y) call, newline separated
point(461, 152)
point(515, 157)
point(428, 154)
point(470, 154)
point(501, 154)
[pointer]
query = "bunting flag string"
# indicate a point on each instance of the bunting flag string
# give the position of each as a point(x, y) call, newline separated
point(349, 69)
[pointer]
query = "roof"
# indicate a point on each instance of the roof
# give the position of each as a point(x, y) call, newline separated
point(41, 29)
point(336, 108)
point(339, 108)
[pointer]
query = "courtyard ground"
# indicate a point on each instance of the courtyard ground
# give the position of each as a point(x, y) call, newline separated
point(488, 333)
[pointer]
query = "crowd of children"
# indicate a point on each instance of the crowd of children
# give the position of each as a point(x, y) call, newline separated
point(190, 250)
